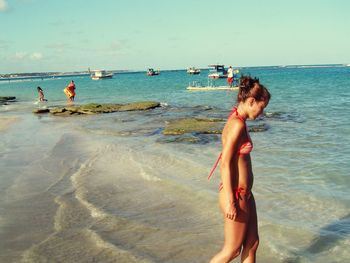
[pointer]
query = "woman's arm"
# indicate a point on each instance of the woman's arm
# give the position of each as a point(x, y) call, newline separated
point(229, 163)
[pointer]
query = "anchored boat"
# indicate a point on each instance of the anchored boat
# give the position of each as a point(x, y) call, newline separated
point(197, 86)
point(217, 72)
point(193, 71)
point(152, 72)
point(101, 74)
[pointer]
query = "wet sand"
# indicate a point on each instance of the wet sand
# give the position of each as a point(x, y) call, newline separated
point(6, 122)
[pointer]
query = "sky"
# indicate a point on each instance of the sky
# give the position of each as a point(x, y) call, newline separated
point(74, 35)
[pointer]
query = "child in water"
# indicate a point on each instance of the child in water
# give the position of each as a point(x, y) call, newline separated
point(41, 94)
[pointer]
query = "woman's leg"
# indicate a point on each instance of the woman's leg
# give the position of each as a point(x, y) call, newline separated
point(250, 244)
point(234, 232)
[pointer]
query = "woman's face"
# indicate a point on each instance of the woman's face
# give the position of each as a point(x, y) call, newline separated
point(256, 108)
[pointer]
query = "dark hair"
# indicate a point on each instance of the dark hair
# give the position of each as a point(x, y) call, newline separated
point(251, 87)
point(39, 89)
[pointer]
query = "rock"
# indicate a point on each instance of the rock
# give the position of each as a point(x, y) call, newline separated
point(94, 108)
point(179, 139)
point(190, 138)
point(40, 111)
point(203, 126)
point(285, 116)
point(57, 110)
point(143, 105)
point(258, 128)
point(193, 125)
point(5, 99)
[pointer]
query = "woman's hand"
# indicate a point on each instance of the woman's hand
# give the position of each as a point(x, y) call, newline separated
point(231, 210)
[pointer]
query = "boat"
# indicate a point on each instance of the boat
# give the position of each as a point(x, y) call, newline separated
point(217, 72)
point(193, 71)
point(196, 86)
point(152, 72)
point(101, 74)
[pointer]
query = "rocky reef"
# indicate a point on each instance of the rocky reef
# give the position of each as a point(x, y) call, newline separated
point(94, 108)
point(203, 129)
point(202, 126)
point(4, 100)
point(193, 125)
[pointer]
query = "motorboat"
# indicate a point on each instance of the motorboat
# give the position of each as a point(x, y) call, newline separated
point(197, 86)
point(217, 72)
point(152, 72)
point(193, 71)
point(101, 74)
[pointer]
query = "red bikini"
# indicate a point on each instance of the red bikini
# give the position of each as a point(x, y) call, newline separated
point(244, 149)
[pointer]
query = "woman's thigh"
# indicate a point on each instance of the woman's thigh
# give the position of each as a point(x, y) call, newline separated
point(252, 230)
point(235, 230)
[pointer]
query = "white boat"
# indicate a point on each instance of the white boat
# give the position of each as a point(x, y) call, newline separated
point(193, 71)
point(101, 74)
point(196, 86)
point(218, 72)
point(152, 72)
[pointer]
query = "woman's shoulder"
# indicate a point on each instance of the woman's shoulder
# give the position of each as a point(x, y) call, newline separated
point(233, 125)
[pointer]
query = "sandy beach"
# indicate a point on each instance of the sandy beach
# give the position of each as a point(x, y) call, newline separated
point(6, 122)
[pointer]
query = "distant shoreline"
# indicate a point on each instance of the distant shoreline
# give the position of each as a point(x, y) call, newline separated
point(48, 75)
point(43, 76)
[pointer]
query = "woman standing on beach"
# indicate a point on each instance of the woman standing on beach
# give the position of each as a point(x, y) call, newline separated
point(235, 197)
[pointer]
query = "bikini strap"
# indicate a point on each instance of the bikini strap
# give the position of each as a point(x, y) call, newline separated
point(235, 112)
point(214, 167)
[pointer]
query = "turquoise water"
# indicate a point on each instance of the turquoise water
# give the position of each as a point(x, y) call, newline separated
point(113, 185)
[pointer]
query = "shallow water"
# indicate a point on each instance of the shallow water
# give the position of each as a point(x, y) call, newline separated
point(112, 188)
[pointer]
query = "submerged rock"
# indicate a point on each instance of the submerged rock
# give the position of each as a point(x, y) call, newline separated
point(94, 108)
point(179, 139)
point(193, 125)
point(39, 111)
point(258, 128)
point(285, 116)
point(4, 99)
point(203, 126)
point(7, 98)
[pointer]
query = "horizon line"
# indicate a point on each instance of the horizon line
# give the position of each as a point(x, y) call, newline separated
point(139, 70)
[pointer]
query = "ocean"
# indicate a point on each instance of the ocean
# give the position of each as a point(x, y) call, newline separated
point(113, 188)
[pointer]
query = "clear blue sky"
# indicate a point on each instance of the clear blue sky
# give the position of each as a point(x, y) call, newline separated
point(72, 35)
